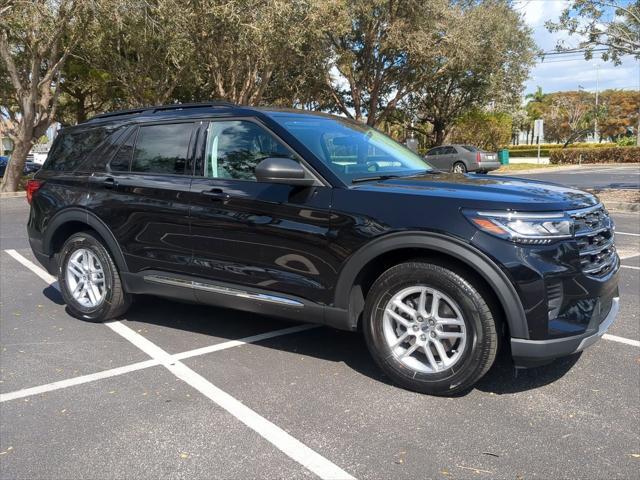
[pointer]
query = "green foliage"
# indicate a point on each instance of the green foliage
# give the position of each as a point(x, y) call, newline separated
point(486, 130)
point(612, 24)
point(595, 155)
point(626, 141)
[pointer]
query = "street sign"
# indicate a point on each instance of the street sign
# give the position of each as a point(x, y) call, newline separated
point(538, 130)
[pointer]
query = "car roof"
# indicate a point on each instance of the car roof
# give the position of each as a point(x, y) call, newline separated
point(194, 110)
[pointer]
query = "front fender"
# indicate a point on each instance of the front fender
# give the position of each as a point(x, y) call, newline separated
point(453, 247)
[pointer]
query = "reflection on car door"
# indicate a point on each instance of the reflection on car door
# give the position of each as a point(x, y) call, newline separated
point(143, 196)
point(260, 235)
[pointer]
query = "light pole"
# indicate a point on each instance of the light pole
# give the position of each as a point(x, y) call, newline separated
point(596, 135)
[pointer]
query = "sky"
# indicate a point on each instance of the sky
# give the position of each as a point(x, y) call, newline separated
point(567, 72)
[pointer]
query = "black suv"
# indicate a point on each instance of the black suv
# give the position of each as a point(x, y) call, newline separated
point(321, 219)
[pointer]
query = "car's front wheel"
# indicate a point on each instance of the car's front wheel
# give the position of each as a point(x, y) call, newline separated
point(429, 328)
point(89, 280)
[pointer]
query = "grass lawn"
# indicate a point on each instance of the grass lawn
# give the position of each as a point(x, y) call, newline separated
point(515, 167)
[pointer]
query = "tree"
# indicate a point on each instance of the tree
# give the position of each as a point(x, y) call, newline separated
point(377, 47)
point(567, 115)
point(486, 130)
point(242, 48)
point(36, 38)
point(140, 48)
point(611, 24)
point(486, 62)
point(619, 113)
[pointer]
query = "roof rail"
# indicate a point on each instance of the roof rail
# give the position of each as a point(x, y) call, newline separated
point(160, 108)
point(177, 106)
point(119, 112)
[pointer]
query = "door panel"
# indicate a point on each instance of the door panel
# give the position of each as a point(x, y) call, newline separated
point(148, 211)
point(268, 236)
point(262, 235)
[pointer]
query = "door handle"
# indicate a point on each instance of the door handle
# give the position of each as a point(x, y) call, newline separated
point(109, 183)
point(216, 194)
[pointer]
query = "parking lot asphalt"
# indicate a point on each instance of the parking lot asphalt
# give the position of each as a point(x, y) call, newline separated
point(585, 176)
point(258, 397)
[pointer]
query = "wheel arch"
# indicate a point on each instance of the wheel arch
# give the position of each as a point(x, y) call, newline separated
point(393, 248)
point(72, 220)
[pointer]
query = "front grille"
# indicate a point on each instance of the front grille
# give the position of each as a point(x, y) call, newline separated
point(594, 235)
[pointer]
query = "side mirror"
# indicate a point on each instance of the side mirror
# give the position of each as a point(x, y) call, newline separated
point(282, 170)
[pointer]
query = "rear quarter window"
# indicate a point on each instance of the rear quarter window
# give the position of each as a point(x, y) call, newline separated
point(71, 148)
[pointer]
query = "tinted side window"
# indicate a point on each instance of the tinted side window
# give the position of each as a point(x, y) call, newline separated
point(71, 148)
point(449, 150)
point(234, 148)
point(122, 159)
point(162, 148)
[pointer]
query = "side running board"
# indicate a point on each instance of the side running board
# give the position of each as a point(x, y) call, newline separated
point(209, 287)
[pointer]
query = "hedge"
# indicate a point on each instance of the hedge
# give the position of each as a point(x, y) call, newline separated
point(531, 152)
point(595, 155)
point(552, 146)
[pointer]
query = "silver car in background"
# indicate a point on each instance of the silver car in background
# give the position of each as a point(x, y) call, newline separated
point(462, 158)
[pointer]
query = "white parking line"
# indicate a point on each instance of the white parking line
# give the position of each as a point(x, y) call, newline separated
point(286, 443)
point(114, 372)
point(626, 341)
point(289, 445)
point(626, 233)
point(630, 266)
point(42, 273)
point(71, 382)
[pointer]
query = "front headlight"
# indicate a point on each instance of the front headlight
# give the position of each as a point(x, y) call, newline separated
point(529, 228)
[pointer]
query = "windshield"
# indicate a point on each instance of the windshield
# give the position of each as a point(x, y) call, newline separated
point(352, 151)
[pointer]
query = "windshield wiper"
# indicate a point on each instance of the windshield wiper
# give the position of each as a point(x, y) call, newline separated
point(370, 179)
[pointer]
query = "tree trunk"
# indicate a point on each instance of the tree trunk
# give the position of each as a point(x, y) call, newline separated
point(439, 129)
point(14, 170)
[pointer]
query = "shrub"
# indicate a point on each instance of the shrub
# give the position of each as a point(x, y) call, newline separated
point(626, 141)
point(553, 146)
point(529, 152)
point(595, 155)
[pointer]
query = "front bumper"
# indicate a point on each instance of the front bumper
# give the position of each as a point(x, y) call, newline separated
point(530, 353)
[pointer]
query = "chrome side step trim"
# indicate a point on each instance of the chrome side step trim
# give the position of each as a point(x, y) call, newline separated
point(208, 287)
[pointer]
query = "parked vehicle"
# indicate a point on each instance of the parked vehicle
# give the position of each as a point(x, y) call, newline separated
point(462, 159)
point(29, 167)
point(321, 219)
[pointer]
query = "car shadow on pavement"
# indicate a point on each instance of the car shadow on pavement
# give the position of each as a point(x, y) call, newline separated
point(322, 343)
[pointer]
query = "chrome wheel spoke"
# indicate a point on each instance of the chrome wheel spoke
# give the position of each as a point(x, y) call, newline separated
point(435, 305)
point(422, 303)
point(449, 335)
point(402, 338)
point(398, 318)
point(430, 357)
point(442, 353)
point(450, 321)
point(406, 309)
point(409, 350)
point(79, 288)
point(75, 268)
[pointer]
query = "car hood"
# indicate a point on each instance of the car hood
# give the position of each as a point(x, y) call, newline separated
point(483, 191)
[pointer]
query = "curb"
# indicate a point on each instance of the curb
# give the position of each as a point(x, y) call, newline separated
point(562, 168)
point(622, 207)
point(13, 194)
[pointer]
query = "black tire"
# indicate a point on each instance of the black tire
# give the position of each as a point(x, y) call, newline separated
point(481, 346)
point(116, 301)
point(461, 165)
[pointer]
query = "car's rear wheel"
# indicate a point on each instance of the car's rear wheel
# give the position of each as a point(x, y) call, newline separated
point(459, 167)
point(429, 328)
point(89, 280)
